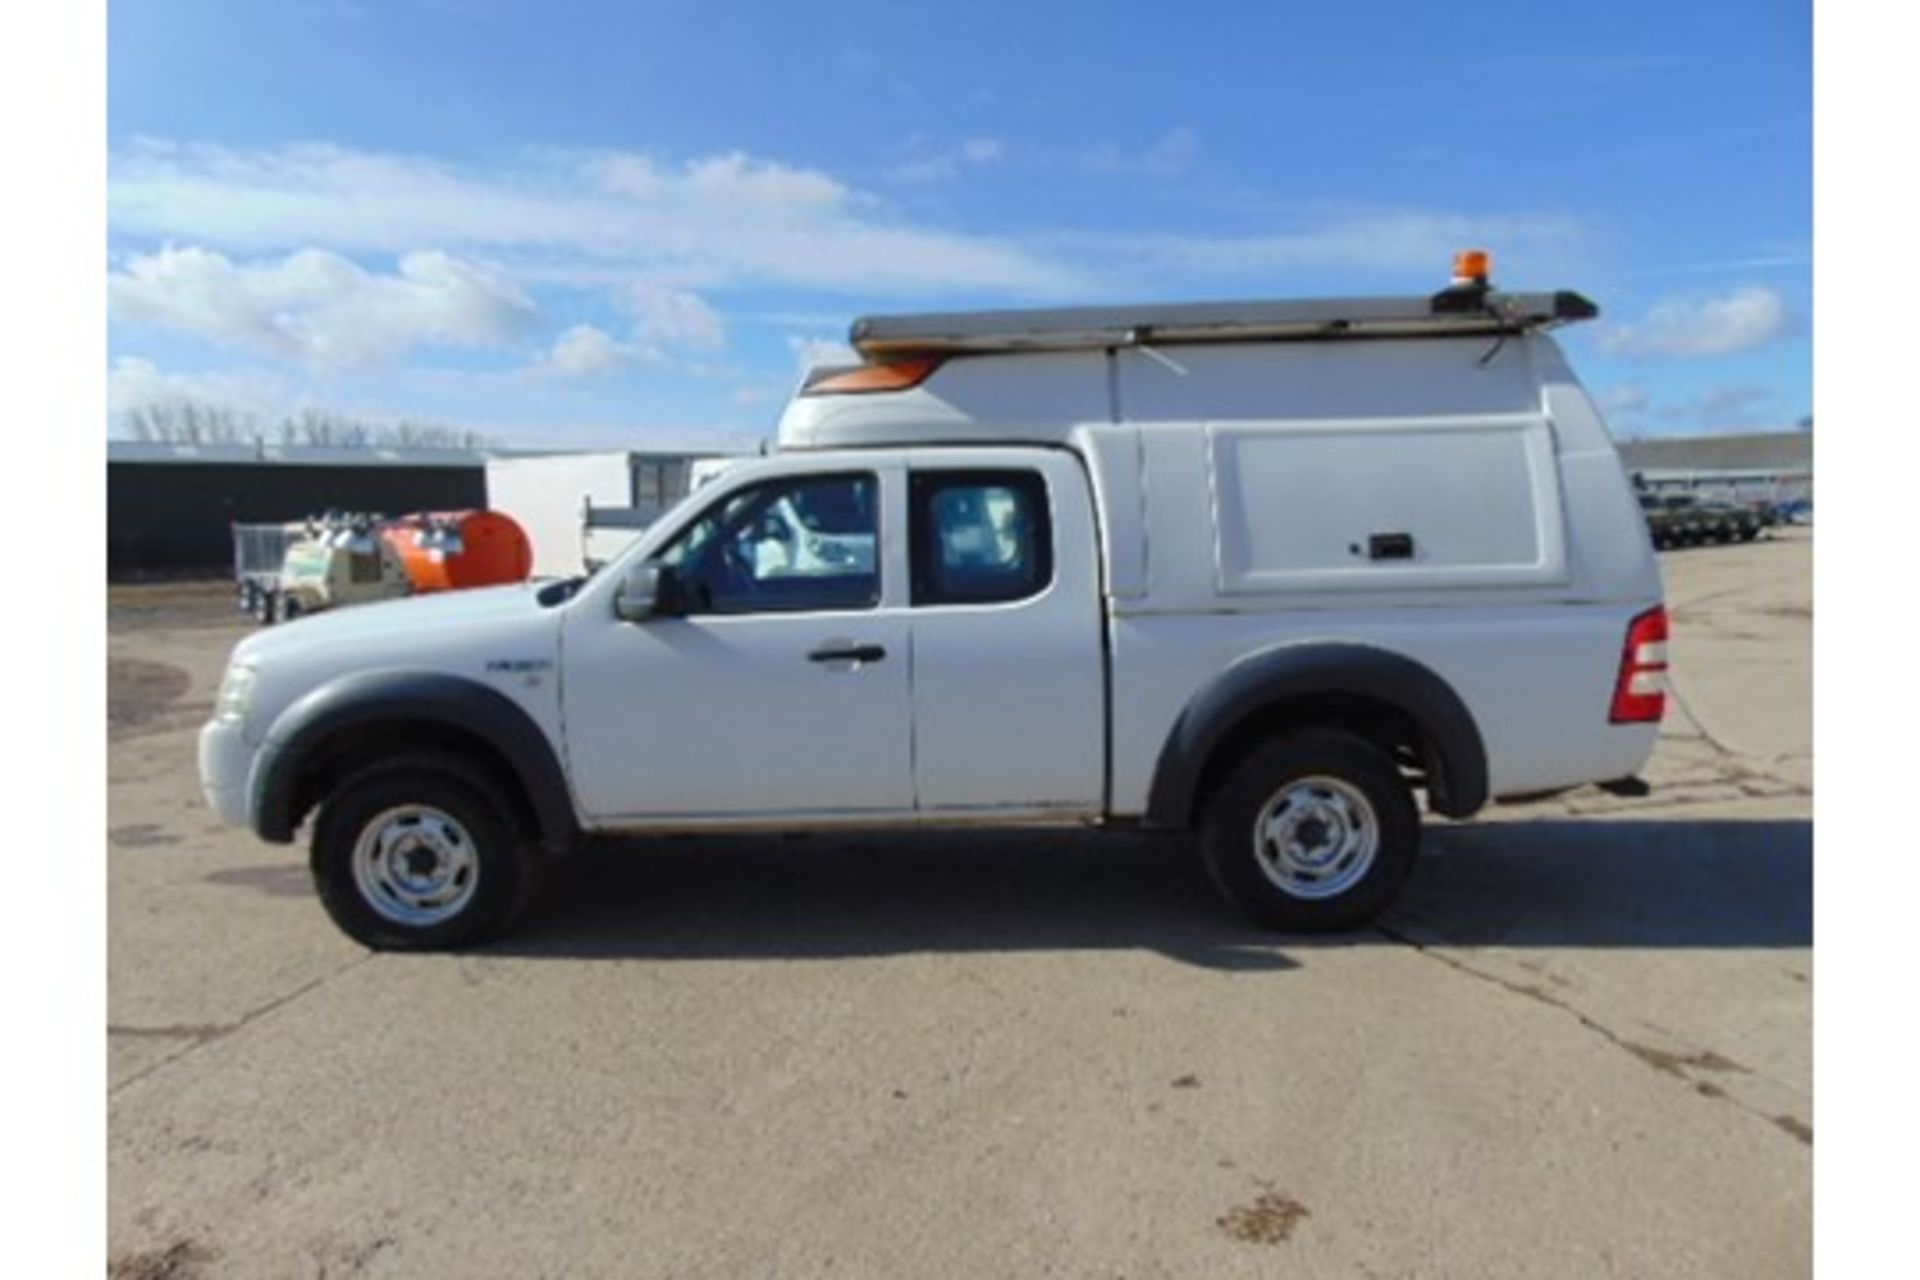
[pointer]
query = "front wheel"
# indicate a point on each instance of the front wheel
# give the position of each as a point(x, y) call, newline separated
point(410, 860)
point(1312, 833)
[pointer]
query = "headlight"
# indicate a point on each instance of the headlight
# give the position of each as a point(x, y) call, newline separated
point(235, 688)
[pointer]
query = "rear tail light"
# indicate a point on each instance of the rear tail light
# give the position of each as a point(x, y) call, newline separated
point(1640, 694)
point(897, 375)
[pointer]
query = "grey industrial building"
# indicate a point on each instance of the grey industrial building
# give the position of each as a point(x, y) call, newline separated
point(1775, 466)
point(170, 507)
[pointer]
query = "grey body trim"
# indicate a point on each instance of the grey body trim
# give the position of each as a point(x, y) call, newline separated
point(1262, 681)
point(408, 697)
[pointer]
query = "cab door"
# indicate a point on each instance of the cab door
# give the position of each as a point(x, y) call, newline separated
point(778, 685)
point(1008, 664)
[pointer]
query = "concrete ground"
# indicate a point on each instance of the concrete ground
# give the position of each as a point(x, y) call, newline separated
point(1580, 1047)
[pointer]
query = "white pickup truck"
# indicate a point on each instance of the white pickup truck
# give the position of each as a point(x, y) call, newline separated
point(1273, 572)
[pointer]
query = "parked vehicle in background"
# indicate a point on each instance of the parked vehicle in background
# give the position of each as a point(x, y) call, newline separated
point(287, 570)
point(1673, 520)
point(1663, 528)
point(341, 561)
point(1202, 567)
point(1796, 511)
point(1684, 520)
point(1727, 522)
point(259, 560)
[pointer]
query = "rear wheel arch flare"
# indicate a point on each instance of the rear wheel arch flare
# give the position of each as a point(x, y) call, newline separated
point(1384, 695)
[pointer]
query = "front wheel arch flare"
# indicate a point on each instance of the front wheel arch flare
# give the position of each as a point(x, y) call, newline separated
point(367, 700)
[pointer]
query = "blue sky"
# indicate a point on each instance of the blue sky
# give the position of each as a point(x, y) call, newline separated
point(572, 223)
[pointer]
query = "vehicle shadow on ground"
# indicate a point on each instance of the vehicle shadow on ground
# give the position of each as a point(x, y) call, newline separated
point(1658, 884)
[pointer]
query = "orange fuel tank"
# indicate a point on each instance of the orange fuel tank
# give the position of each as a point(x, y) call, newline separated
point(452, 550)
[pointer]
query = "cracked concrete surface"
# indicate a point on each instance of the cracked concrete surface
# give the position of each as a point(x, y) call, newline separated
point(1579, 1046)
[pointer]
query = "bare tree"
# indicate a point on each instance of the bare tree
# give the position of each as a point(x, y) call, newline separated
point(192, 422)
point(406, 434)
point(322, 429)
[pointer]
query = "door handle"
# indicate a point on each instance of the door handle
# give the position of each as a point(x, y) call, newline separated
point(1390, 546)
point(834, 651)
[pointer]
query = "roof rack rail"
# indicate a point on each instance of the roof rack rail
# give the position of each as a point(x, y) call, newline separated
point(1451, 312)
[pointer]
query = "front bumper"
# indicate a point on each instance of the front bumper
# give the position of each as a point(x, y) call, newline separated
point(226, 761)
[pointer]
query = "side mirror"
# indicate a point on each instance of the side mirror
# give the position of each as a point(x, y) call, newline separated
point(648, 590)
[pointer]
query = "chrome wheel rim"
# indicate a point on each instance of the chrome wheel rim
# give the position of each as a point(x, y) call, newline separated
point(416, 865)
point(1316, 838)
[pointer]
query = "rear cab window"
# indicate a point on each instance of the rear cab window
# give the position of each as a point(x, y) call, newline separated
point(979, 536)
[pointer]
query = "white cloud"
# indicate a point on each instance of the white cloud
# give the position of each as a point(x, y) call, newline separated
point(1725, 408)
point(811, 353)
point(1172, 153)
point(753, 396)
point(607, 220)
point(135, 382)
point(673, 318)
point(1712, 409)
point(317, 307)
point(1736, 321)
point(665, 322)
point(1369, 241)
point(585, 351)
point(1625, 399)
point(596, 220)
point(943, 166)
point(733, 180)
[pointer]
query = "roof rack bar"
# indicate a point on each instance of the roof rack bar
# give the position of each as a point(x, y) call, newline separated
point(1080, 328)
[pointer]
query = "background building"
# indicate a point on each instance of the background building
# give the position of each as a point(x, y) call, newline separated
point(169, 507)
point(1776, 466)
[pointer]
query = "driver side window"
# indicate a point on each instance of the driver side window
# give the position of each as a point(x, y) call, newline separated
point(799, 544)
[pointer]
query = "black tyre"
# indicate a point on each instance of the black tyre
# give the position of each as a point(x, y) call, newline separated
point(287, 608)
point(1312, 833)
point(266, 607)
point(415, 859)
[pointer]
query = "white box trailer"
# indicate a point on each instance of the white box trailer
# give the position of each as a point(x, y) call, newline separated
point(581, 509)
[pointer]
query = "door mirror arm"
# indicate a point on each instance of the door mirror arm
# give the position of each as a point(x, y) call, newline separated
point(648, 590)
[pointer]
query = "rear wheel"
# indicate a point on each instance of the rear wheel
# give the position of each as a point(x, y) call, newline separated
point(1311, 833)
point(414, 860)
